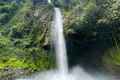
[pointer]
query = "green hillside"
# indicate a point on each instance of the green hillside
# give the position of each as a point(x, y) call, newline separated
point(92, 31)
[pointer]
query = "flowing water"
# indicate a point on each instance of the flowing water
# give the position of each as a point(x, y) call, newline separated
point(62, 72)
point(59, 42)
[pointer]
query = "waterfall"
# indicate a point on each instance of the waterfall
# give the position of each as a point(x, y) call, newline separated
point(59, 41)
point(49, 1)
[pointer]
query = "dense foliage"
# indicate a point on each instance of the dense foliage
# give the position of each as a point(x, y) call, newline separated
point(22, 39)
point(94, 26)
point(91, 27)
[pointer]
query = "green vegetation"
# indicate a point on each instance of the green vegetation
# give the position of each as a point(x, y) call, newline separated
point(91, 27)
point(111, 61)
point(94, 26)
point(21, 39)
point(7, 10)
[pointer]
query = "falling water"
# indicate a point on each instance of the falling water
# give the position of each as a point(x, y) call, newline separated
point(59, 41)
point(57, 36)
point(49, 1)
